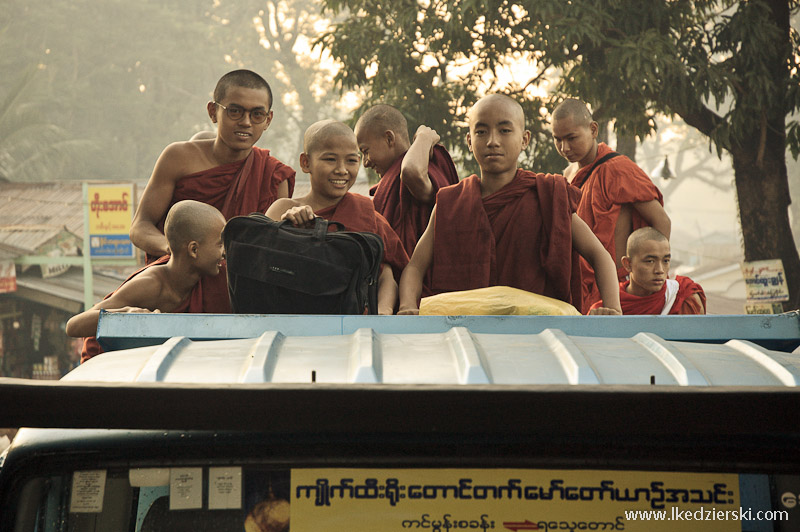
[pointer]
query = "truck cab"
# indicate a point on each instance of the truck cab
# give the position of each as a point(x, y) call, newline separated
point(372, 423)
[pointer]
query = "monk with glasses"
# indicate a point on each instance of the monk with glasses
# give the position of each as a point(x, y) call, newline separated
point(227, 172)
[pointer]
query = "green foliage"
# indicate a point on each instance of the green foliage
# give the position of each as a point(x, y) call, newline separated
point(30, 144)
point(115, 85)
point(425, 60)
point(300, 84)
point(720, 64)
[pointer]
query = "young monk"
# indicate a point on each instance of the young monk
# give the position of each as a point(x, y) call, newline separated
point(509, 227)
point(228, 172)
point(618, 197)
point(649, 290)
point(411, 172)
point(330, 155)
point(170, 284)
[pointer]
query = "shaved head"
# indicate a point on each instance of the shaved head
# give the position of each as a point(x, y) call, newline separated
point(381, 118)
point(241, 78)
point(319, 133)
point(575, 109)
point(190, 220)
point(507, 102)
point(641, 235)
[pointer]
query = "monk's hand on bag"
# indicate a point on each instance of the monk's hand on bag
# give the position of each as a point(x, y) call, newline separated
point(302, 216)
point(604, 311)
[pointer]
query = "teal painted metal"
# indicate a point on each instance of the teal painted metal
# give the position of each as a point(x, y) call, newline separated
point(123, 331)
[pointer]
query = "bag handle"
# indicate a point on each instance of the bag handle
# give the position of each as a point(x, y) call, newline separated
point(320, 227)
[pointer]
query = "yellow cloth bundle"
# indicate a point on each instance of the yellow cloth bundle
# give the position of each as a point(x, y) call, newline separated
point(494, 300)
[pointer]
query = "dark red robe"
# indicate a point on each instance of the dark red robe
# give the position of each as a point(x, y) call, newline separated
point(236, 189)
point(356, 213)
point(408, 216)
point(612, 184)
point(654, 303)
point(193, 303)
point(520, 236)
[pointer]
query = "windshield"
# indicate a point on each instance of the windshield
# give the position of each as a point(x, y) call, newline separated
point(265, 499)
point(195, 499)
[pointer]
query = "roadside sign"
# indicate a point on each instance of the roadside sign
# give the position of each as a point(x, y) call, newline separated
point(110, 214)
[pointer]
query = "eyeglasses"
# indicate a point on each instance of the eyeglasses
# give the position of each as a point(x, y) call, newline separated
point(235, 112)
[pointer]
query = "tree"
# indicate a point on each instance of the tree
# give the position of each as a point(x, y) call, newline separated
point(688, 157)
point(728, 68)
point(406, 54)
point(277, 35)
point(128, 78)
point(29, 143)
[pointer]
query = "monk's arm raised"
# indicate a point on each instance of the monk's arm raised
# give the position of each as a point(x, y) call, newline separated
point(414, 168)
point(411, 280)
point(605, 272)
point(155, 202)
point(655, 215)
point(137, 295)
point(387, 291)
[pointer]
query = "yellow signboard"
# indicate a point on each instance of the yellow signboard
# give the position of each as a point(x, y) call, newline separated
point(110, 215)
point(444, 500)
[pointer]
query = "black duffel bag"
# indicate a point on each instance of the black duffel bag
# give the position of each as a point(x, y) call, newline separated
point(277, 268)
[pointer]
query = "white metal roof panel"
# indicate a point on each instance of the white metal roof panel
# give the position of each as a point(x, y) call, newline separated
point(456, 356)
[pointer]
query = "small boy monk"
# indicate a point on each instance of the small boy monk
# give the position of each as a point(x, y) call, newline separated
point(618, 197)
point(330, 155)
point(170, 284)
point(507, 227)
point(227, 172)
point(649, 289)
point(411, 172)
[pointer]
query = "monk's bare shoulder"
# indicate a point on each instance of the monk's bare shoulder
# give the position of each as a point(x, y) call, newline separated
point(282, 205)
point(186, 157)
point(144, 290)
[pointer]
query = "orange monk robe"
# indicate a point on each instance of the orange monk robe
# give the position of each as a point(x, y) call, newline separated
point(520, 236)
point(654, 303)
point(612, 184)
point(408, 216)
point(193, 303)
point(236, 189)
point(356, 213)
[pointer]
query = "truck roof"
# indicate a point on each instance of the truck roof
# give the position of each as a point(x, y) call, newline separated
point(456, 356)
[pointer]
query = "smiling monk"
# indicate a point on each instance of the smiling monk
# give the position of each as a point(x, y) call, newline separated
point(508, 227)
point(650, 290)
point(169, 284)
point(227, 172)
point(331, 158)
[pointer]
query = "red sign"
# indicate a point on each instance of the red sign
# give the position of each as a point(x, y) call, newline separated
point(8, 277)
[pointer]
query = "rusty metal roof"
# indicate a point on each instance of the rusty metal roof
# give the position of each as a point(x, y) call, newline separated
point(31, 214)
